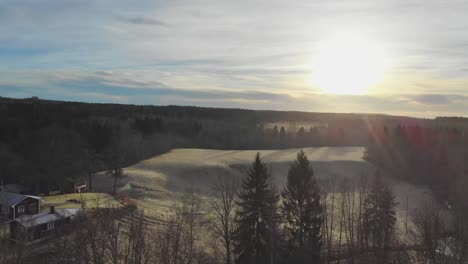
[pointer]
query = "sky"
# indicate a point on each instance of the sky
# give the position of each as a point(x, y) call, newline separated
point(241, 54)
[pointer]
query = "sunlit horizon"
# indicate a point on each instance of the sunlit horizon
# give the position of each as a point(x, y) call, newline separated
point(371, 56)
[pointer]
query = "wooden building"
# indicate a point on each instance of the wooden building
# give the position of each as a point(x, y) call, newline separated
point(14, 205)
point(38, 226)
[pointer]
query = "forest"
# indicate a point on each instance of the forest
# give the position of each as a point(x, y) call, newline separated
point(46, 145)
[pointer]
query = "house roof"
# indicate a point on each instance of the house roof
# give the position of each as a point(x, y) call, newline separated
point(12, 199)
point(46, 217)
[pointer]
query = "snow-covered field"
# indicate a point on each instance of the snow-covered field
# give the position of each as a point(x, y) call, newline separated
point(156, 183)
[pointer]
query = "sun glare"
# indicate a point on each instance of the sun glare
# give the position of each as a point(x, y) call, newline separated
point(348, 64)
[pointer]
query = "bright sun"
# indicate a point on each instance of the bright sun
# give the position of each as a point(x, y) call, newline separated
point(348, 64)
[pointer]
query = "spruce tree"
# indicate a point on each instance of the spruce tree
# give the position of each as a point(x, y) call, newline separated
point(302, 211)
point(257, 217)
point(379, 215)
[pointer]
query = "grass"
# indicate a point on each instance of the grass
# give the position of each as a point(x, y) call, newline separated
point(155, 185)
point(4, 232)
point(89, 200)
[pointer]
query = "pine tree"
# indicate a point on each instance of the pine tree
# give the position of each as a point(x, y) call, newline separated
point(282, 133)
point(257, 217)
point(379, 215)
point(302, 210)
point(275, 131)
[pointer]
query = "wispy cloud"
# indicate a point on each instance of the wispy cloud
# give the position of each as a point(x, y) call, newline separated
point(141, 20)
point(253, 53)
point(108, 86)
point(437, 99)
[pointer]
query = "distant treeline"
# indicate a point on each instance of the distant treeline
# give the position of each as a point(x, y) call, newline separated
point(45, 144)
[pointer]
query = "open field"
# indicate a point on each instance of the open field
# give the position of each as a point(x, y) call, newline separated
point(77, 200)
point(157, 183)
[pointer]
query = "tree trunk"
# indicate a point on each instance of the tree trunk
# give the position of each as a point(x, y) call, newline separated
point(90, 181)
point(330, 242)
point(115, 184)
point(228, 251)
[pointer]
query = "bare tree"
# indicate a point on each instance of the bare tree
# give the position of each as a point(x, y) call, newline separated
point(347, 215)
point(178, 238)
point(362, 190)
point(192, 216)
point(169, 240)
point(427, 235)
point(459, 234)
point(329, 210)
point(116, 173)
point(342, 214)
point(116, 156)
point(138, 246)
point(18, 252)
point(223, 205)
point(344, 228)
point(107, 235)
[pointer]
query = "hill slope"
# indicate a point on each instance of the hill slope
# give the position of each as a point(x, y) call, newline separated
point(154, 183)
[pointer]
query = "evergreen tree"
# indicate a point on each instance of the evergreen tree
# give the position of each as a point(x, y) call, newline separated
point(275, 131)
point(314, 136)
point(379, 215)
point(301, 137)
point(257, 217)
point(302, 211)
point(282, 133)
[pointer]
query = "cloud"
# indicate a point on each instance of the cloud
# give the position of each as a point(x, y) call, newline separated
point(120, 87)
point(154, 87)
point(430, 99)
point(437, 99)
point(228, 53)
point(96, 85)
point(141, 20)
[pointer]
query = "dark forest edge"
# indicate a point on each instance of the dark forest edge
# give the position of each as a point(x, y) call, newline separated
point(47, 144)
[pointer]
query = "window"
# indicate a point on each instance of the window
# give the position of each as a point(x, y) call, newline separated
point(33, 208)
point(21, 209)
point(50, 225)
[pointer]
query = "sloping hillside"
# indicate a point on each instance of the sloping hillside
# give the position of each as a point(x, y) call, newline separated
point(155, 183)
